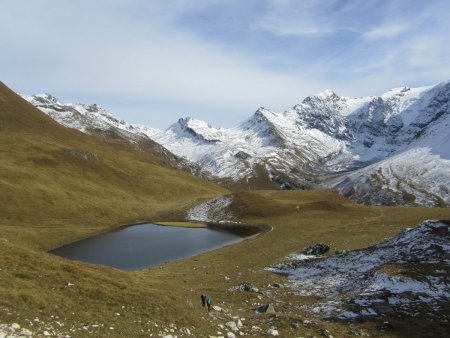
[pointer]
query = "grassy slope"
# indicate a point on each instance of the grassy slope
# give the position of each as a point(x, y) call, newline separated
point(51, 194)
point(55, 179)
point(58, 185)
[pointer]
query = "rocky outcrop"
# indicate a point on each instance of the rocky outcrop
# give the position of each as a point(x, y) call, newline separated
point(316, 249)
point(407, 274)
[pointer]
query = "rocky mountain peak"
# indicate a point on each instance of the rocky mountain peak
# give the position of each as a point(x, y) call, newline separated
point(261, 114)
point(327, 94)
point(323, 112)
point(197, 129)
point(43, 99)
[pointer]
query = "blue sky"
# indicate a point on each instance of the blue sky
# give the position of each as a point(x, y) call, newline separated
point(152, 62)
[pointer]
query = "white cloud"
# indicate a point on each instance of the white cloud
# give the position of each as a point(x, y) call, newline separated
point(294, 18)
point(160, 57)
point(387, 31)
point(285, 27)
point(104, 54)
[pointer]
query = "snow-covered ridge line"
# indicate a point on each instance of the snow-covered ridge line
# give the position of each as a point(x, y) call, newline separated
point(324, 135)
point(83, 116)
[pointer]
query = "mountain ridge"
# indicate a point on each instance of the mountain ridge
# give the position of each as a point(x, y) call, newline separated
point(318, 142)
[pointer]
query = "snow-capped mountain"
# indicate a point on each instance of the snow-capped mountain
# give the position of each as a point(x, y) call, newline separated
point(84, 117)
point(388, 149)
point(393, 148)
point(92, 119)
point(409, 134)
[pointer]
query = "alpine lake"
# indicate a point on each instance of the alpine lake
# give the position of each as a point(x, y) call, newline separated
point(145, 245)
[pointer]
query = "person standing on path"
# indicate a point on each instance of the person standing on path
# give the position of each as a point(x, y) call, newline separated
point(209, 302)
point(203, 297)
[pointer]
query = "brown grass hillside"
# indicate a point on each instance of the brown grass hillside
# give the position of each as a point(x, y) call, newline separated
point(54, 178)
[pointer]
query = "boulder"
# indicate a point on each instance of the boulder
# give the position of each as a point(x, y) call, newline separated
point(238, 322)
point(307, 323)
point(256, 328)
point(232, 326)
point(316, 249)
point(295, 325)
point(266, 308)
point(217, 308)
point(272, 332)
point(245, 286)
point(15, 326)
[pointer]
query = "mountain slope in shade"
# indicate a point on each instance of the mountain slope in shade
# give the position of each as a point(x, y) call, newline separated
point(365, 147)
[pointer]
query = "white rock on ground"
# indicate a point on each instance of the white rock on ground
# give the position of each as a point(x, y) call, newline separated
point(272, 332)
point(232, 326)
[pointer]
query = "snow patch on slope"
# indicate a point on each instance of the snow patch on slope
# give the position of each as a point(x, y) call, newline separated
point(411, 269)
point(214, 210)
point(415, 177)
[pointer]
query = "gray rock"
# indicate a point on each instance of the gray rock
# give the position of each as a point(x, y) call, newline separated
point(267, 308)
point(316, 249)
point(256, 328)
point(217, 308)
point(272, 332)
point(15, 326)
point(307, 323)
point(26, 332)
point(245, 286)
point(232, 326)
point(238, 322)
point(295, 325)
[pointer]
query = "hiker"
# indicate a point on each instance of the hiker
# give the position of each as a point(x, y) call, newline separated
point(209, 302)
point(203, 297)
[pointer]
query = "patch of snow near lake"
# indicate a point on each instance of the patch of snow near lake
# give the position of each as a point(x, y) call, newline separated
point(410, 268)
point(214, 210)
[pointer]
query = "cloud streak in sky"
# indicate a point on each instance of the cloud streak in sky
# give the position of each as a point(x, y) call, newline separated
point(153, 61)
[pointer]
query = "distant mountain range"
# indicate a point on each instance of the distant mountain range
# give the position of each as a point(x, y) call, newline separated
point(388, 149)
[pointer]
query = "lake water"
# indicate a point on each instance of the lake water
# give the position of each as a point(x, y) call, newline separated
point(144, 245)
